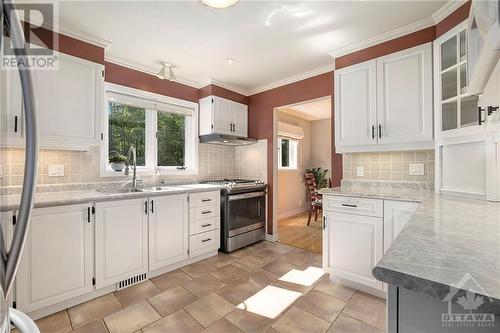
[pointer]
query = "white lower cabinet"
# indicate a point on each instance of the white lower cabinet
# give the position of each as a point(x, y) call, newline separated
point(396, 215)
point(168, 230)
point(356, 234)
point(355, 246)
point(204, 223)
point(121, 238)
point(57, 262)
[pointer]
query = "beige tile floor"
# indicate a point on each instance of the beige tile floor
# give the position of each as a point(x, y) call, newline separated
point(267, 287)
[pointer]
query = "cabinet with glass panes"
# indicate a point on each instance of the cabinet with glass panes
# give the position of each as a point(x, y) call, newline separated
point(454, 108)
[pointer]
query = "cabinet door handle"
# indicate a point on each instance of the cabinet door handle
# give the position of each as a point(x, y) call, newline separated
point(206, 240)
point(206, 212)
point(145, 207)
point(379, 131)
point(152, 206)
point(206, 200)
point(88, 214)
point(206, 225)
point(373, 131)
point(324, 222)
point(350, 205)
point(15, 124)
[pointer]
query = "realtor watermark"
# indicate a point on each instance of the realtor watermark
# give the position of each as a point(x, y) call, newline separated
point(471, 303)
point(39, 24)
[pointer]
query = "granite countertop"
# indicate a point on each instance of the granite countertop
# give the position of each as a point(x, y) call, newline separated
point(446, 241)
point(49, 199)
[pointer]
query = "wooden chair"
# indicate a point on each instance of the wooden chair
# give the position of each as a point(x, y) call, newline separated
point(314, 198)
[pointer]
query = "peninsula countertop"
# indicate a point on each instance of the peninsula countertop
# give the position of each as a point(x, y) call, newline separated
point(50, 199)
point(444, 240)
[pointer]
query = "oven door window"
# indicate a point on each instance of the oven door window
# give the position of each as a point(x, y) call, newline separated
point(245, 214)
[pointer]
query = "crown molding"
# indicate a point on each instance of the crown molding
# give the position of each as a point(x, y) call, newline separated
point(292, 79)
point(446, 10)
point(83, 36)
point(225, 86)
point(147, 69)
point(384, 37)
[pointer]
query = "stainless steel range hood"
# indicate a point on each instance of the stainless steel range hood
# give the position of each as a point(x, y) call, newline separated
point(226, 140)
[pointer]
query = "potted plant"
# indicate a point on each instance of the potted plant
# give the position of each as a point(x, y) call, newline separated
point(117, 161)
point(320, 176)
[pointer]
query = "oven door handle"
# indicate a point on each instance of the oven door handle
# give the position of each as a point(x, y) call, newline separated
point(243, 196)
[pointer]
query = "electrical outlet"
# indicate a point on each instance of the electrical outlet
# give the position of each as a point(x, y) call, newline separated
point(56, 170)
point(360, 171)
point(300, 203)
point(417, 169)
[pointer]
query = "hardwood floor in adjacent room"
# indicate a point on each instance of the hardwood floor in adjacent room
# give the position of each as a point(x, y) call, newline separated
point(295, 231)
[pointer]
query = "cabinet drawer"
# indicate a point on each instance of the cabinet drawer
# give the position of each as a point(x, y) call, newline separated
point(199, 226)
point(203, 212)
point(204, 198)
point(203, 243)
point(353, 205)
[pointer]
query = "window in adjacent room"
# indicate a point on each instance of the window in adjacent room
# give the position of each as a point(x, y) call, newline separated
point(288, 152)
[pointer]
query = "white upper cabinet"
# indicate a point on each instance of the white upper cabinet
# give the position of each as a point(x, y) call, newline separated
point(223, 116)
point(404, 96)
point(355, 104)
point(385, 103)
point(58, 260)
point(69, 101)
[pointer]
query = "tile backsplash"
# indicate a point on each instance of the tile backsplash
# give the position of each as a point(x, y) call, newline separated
point(84, 166)
point(389, 166)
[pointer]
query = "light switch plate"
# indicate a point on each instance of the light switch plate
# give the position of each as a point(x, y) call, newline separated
point(417, 169)
point(56, 170)
point(360, 171)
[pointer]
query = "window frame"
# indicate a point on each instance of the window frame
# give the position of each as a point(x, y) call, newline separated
point(151, 152)
point(292, 153)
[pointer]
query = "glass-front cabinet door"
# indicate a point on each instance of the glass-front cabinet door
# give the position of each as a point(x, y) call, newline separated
point(454, 108)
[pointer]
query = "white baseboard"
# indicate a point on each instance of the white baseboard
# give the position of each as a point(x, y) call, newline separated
point(271, 238)
point(292, 212)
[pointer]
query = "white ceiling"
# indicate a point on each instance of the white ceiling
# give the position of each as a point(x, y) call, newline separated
point(270, 40)
point(313, 110)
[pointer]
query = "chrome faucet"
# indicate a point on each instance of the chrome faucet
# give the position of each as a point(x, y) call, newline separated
point(134, 160)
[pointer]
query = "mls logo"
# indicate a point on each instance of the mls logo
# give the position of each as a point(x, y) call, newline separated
point(39, 25)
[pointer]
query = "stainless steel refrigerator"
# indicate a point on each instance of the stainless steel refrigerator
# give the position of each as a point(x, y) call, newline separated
point(10, 257)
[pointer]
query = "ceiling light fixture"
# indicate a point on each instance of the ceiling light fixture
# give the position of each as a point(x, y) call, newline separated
point(166, 72)
point(230, 61)
point(219, 4)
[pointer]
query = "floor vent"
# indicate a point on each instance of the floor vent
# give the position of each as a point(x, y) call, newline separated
point(131, 281)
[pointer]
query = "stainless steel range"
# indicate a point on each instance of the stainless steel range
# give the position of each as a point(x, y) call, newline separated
point(243, 212)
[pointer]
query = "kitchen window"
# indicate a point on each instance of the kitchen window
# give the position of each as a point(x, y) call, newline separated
point(162, 129)
point(288, 152)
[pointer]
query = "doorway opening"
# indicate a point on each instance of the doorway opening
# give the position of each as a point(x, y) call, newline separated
point(302, 158)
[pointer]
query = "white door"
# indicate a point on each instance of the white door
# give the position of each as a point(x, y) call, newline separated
point(354, 247)
point(70, 103)
point(240, 119)
point(355, 105)
point(222, 115)
point(57, 262)
point(396, 215)
point(120, 240)
point(404, 96)
point(168, 230)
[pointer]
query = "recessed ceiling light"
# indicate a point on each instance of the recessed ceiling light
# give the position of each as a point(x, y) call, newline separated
point(219, 4)
point(230, 61)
